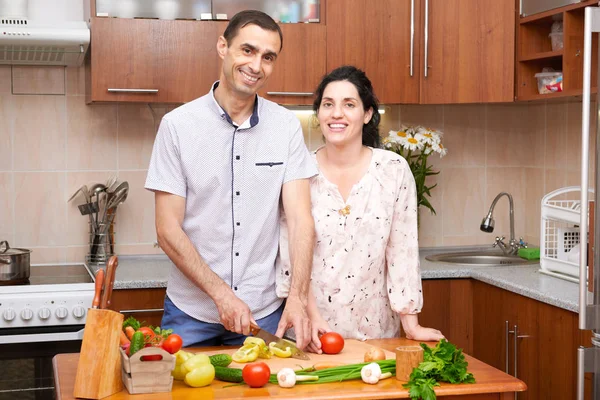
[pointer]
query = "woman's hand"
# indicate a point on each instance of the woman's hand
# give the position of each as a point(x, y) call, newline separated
point(414, 331)
point(424, 334)
point(319, 327)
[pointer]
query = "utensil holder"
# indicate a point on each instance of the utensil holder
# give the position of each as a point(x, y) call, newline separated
point(101, 242)
point(99, 368)
point(407, 359)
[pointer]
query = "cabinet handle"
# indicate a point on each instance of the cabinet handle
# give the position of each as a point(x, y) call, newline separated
point(412, 34)
point(290, 94)
point(113, 90)
point(506, 333)
point(516, 352)
point(147, 310)
point(426, 34)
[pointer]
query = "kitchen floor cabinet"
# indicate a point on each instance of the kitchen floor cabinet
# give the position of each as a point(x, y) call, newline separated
point(538, 344)
point(467, 46)
point(152, 61)
point(146, 304)
point(448, 306)
point(300, 66)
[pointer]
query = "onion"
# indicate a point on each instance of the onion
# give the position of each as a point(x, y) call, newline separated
point(374, 354)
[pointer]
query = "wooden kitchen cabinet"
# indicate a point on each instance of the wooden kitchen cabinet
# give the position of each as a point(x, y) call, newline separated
point(534, 51)
point(174, 61)
point(148, 303)
point(299, 67)
point(448, 306)
point(468, 46)
point(546, 343)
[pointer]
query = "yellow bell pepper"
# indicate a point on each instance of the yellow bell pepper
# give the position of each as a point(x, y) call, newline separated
point(246, 353)
point(280, 352)
point(264, 351)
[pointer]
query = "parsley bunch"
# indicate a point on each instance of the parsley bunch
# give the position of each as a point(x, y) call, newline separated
point(443, 363)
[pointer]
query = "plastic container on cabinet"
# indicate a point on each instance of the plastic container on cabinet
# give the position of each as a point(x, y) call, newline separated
point(549, 82)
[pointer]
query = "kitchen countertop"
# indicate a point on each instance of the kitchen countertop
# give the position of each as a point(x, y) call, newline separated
point(152, 271)
point(489, 381)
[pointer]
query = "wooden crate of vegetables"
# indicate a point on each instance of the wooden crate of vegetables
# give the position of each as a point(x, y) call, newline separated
point(147, 357)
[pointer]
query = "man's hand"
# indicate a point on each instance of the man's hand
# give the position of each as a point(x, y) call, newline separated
point(294, 315)
point(235, 315)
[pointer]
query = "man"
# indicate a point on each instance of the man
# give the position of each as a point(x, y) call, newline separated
point(220, 168)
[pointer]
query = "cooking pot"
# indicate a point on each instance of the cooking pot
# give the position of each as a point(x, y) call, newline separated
point(14, 263)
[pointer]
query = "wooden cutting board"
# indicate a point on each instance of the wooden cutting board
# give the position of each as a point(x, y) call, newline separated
point(353, 353)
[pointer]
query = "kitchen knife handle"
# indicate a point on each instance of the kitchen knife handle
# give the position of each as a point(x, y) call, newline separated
point(254, 329)
point(111, 267)
point(98, 288)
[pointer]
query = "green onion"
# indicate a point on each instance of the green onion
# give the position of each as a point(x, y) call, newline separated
point(339, 374)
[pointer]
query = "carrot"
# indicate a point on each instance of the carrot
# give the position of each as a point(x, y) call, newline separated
point(129, 331)
point(124, 339)
point(326, 364)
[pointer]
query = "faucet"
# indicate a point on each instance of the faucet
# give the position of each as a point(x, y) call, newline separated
point(487, 225)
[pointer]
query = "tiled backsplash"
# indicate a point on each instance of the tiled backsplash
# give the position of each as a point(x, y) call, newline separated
point(51, 144)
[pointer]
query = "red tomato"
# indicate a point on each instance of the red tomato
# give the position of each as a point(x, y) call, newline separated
point(256, 374)
point(154, 357)
point(148, 333)
point(332, 343)
point(172, 343)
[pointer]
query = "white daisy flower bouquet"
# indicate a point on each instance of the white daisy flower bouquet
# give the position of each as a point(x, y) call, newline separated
point(416, 144)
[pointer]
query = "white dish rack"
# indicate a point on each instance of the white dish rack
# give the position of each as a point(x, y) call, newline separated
point(559, 233)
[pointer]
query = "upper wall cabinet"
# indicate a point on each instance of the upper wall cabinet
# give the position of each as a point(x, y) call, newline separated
point(300, 66)
point(553, 40)
point(152, 61)
point(427, 51)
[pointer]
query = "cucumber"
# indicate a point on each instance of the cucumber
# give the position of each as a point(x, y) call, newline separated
point(137, 343)
point(228, 374)
point(220, 360)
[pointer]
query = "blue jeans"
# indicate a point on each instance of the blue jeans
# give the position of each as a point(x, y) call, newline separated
point(197, 333)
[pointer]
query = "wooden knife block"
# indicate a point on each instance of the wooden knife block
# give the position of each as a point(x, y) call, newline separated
point(99, 369)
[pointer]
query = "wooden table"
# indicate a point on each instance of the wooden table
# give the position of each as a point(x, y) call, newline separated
point(492, 384)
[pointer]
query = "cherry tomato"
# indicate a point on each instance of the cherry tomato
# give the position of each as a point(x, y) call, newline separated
point(332, 343)
point(172, 343)
point(256, 374)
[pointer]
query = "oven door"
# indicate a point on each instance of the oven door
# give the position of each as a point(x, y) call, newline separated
point(26, 359)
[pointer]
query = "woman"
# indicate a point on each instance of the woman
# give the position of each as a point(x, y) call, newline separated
point(366, 277)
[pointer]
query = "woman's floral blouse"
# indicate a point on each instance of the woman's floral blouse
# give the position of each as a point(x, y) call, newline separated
point(366, 259)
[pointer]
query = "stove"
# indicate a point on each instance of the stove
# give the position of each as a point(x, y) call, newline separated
point(51, 304)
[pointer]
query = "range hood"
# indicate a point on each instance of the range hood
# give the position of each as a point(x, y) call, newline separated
point(42, 33)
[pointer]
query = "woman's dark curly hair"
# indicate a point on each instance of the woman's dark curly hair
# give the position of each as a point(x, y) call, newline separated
point(370, 132)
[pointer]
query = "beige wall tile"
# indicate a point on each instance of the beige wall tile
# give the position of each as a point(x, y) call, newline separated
point(512, 180)
point(76, 253)
point(134, 223)
point(5, 132)
point(534, 191)
point(138, 249)
point(5, 79)
point(556, 135)
point(48, 255)
point(78, 226)
point(7, 223)
point(138, 125)
point(515, 135)
point(464, 135)
point(39, 133)
point(573, 136)
point(75, 81)
point(38, 80)
point(463, 200)
point(91, 135)
point(390, 120)
point(554, 179)
point(481, 238)
point(427, 116)
point(40, 208)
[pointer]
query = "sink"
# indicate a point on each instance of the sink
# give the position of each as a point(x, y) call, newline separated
point(488, 258)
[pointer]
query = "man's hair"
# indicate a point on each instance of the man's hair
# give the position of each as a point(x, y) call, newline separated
point(251, 17)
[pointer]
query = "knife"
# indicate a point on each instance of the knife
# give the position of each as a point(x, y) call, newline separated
point(111, 267)
point(99, 279)
point(279, 342)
